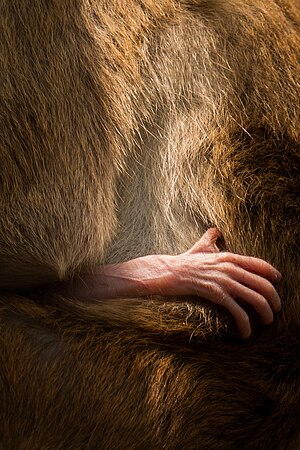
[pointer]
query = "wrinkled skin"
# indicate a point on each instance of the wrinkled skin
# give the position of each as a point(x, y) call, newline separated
point(201, 271)
point(128, 129)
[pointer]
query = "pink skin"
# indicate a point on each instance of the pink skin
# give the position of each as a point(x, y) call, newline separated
point(202, 271)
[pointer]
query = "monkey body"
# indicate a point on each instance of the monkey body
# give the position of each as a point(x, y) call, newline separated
point(129, 128)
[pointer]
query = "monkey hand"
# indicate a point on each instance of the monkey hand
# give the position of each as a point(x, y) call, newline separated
point(202, 271)
point(222, 277)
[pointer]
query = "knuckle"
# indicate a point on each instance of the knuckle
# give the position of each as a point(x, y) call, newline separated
point(244, 318)
point(270, 291)
point(234, 287)
point(216, 290)
point(261, 303)
point(222, 257)
point(228, 267)
point(232, 260)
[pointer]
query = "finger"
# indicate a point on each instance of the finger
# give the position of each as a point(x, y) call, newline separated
point(254, 282)
point(218, 296)
point(255, 265)
point(240, 316)
point(253, 298)
point(207, 243)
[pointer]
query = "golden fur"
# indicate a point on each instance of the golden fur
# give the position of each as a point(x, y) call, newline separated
point(128, 128)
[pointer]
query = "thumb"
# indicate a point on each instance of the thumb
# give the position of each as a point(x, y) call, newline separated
point(207, 243)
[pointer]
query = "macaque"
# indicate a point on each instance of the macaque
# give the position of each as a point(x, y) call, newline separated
point(129, 131)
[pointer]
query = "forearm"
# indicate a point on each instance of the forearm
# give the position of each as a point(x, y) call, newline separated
point(140, 277)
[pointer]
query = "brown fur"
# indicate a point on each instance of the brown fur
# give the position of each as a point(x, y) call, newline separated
point(129, 127)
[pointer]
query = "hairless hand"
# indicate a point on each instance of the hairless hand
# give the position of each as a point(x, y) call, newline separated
point(203, 271)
